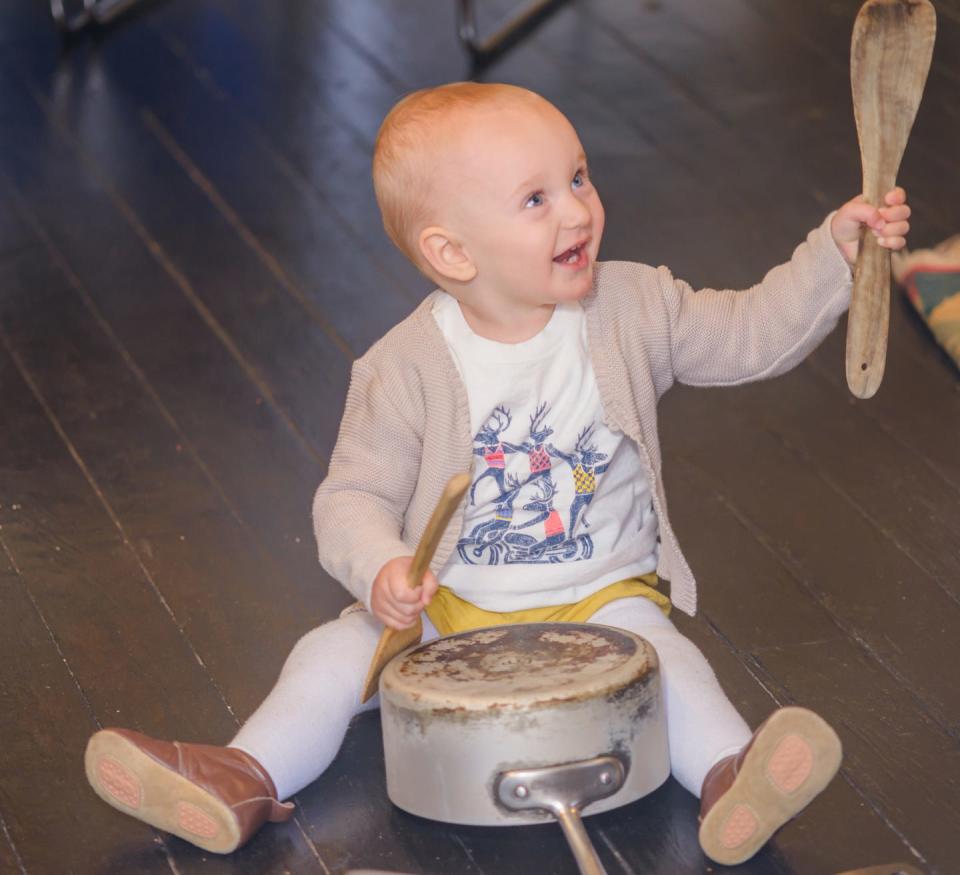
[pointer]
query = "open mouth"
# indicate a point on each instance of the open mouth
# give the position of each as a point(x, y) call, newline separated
point(575, 256)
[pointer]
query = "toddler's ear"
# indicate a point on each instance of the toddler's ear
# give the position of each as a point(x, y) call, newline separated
point(446, 255)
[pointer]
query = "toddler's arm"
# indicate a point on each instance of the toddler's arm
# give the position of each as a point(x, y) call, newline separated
point(359, 508)
point(728, 337)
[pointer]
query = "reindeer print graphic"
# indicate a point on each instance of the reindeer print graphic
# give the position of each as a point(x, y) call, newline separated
point(584, 462)
point(555, 545)
point(503, 538)
point(486, 539)
point(493, 449)
point(499, 541)
point(542, 503)
point(534, 446)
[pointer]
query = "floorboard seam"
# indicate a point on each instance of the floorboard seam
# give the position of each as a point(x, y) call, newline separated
point(59, 259)
point(468, 852)
point(627, 868)
point(798, 577)
point(104, 501)
point(828, 57)
point(43, 619)
point(812, 46)
point(11, 845)
point(310, 844)
point(865, 410)
point(186, 287)
point(750, 665)
point(690, 92)
point(209, 190)
point(832, 484)
point(369, 57)
point(757, 669)
point(290, 170)
point(876, 809)
point(76, 681)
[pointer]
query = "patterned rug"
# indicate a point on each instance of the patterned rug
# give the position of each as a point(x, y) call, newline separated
point(931, 280)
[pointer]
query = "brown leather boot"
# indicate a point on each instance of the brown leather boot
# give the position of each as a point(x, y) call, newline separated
point(747, 797)
point(214, 797)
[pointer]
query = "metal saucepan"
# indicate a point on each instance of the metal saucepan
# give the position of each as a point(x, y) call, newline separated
point(520, 724)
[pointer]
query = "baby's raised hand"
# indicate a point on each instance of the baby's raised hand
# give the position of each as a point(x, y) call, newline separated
point(392, 600)
point(889, 224)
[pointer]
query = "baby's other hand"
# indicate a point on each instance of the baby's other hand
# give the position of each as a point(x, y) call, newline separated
point(392, 600)
point(889, 224)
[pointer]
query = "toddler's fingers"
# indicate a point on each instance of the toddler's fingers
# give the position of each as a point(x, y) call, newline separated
point(860, 211)
point(408, 610)
point(896, 213)
point(430, 587)
point(389, 616)
point(893, 229)
point(893, 242)
point(895, 196)
point(398, 623)
point(402, 591)
point(401, 613)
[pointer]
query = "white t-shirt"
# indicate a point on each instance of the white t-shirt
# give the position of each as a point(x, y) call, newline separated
point(559, 506)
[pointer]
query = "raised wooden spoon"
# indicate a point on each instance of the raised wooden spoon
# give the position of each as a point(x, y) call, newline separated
point(394, 641)
point(889, 59)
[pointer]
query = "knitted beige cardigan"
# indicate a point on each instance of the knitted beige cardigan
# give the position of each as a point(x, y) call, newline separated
point(406, 425)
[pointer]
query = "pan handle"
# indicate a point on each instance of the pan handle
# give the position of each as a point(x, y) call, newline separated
point(580, 844)
point(564, 791)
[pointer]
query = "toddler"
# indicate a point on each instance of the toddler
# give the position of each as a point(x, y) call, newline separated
point(538, 369)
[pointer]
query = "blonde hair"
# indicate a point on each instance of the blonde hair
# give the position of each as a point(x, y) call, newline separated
point(409, 139)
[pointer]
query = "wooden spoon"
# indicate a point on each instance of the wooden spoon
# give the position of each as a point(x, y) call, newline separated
point(394, 641)
point(889, 59)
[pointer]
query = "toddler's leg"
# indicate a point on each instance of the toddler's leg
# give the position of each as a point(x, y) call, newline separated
point(702, 724)
point(749, 785)
point(218, 797)
point(298, 729)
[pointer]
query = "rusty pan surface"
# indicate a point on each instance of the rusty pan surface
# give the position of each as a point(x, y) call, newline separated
point(459, 711)
point(520, 665)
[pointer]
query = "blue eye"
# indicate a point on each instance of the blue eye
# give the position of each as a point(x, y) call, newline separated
point(578, 180)
point(535, 200)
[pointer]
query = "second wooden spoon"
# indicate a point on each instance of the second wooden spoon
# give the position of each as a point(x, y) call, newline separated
point(889, 59)
point(394, 641)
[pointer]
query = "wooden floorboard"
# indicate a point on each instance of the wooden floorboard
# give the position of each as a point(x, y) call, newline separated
point(132, 456)
point(38, 648)
point(190, 258)
point(811, 524)
point(760, 606)
point(216, 412)
point(213, 267)
point(892, 753)
point(349, 103)
point(109, 598)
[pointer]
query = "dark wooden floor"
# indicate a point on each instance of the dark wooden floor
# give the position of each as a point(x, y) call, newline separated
point(190, 257)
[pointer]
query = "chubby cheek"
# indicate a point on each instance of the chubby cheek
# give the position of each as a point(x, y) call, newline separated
point(510, 255)
point(527, 246)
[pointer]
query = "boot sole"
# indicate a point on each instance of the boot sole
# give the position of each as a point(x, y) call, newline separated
point(793, 759)
point(133, 782)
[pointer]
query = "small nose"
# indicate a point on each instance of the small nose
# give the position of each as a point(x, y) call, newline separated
point(576, 214)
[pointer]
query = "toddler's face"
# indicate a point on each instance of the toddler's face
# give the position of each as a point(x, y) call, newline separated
point(521, 199)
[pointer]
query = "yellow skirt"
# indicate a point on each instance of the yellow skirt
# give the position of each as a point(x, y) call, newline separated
point(450, 614)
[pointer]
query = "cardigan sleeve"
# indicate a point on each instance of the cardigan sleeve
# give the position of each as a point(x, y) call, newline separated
point(358, 510)
point(722, 338)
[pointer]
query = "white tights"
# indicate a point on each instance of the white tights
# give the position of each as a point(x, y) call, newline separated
point(298, 729)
